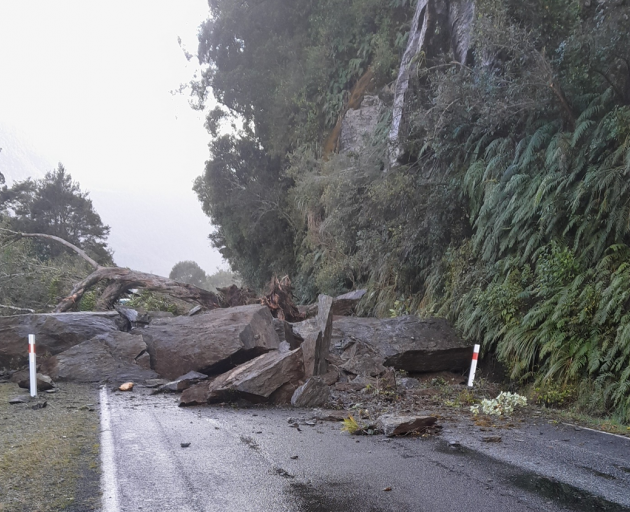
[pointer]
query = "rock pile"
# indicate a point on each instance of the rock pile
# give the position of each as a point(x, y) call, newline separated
point(236, 353)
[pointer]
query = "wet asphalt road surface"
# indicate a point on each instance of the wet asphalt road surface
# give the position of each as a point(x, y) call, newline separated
point(254, 460)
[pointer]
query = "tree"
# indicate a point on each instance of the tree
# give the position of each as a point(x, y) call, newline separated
point(188, 272)
point(243, 191)
point(55, 205)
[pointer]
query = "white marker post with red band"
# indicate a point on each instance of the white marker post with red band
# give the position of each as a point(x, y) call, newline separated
point(473, 366)
point(32, 363)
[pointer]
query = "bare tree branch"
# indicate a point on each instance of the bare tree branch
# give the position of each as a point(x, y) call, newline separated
point(80, 252)
point(17, 309)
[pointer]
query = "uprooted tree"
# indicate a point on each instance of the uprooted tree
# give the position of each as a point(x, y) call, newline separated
point(279, 297)
point(121, 280)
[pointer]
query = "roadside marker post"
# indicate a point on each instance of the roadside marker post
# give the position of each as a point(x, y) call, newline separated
point(32, 363)
point(473, 366)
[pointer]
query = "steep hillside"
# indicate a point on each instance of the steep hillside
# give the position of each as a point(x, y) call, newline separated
point(483, 178)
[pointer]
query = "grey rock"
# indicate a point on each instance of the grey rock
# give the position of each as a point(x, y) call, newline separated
point(407, 342)
point(152, 315)
point(108, 357)
point(19, 400)
point(325, 322)
point(408, 383)
point(55, 332)
point(286, 334)
point(155, 383)
point(134, 317)
point(331, 376)
point(311, 349)
point(345, 305)
point(182, 383)
point(330, 415)
point(282, 395)
point(394, 425)
point(363, 360)
point(44, 382)
point(359, 124)
point(254, 381)
point(211, 343)
point(313, 393)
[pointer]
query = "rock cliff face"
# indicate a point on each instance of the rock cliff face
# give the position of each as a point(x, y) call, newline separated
point(358, 124)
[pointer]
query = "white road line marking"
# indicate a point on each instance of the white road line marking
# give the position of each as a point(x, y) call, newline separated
point(109, 484)
point(598, 431)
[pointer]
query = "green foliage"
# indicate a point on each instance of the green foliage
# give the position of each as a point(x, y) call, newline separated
point(553, 395)
point(243, 192)
point(511, 215)
point(88, 301)
point(283, 70)
point(55, 205)
point(151, 301)
point(188, 272)
point(27, 281)
point(222, 279)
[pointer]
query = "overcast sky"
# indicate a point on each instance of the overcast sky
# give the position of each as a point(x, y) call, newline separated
point(89, 84)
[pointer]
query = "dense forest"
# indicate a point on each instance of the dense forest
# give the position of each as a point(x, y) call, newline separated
point(491, 187)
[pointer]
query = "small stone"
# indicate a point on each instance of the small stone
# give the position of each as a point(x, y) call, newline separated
point(184, 445)
point(127, 386)
point(491, 439)
point(18, 400)
point(40, 405)
point(387, 489)
point(294, 457)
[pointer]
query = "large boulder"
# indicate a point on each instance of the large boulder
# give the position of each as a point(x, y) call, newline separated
point(210, 343)
point(111, 357)
point(54, 333)
point(254, 381)
point(406, 342)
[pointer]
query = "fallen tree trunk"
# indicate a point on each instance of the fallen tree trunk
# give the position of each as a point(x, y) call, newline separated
point(122, 280)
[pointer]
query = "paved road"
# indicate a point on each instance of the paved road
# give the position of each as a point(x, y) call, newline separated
point(253, 460)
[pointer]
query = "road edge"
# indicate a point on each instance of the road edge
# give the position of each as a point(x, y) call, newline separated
point(109, 484)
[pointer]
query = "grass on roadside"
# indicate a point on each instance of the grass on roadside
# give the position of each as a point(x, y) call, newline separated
point(49, 456)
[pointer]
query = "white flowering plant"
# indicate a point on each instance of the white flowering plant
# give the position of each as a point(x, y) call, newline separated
point(505, 403)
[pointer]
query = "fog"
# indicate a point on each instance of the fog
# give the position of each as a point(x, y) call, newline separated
point(90, 85)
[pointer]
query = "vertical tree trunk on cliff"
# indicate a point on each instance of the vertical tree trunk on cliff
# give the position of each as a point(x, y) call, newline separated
point(461, 14)
point(414, 44)
point(460, 19)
